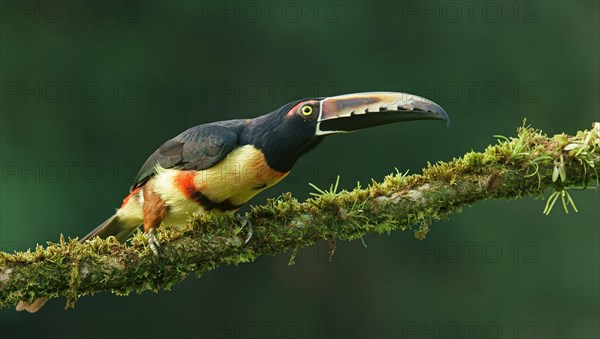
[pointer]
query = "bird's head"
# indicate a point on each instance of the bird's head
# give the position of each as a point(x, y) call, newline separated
point(299, 126)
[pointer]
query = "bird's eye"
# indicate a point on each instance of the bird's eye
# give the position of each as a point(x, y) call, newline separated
point(306, 110)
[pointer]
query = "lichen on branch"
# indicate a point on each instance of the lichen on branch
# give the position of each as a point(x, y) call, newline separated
point(525, 165)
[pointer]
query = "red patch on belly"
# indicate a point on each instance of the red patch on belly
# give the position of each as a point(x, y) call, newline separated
point(134, 192)
point(186, 183)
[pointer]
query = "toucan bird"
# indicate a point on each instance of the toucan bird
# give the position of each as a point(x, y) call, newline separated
point(219, 166)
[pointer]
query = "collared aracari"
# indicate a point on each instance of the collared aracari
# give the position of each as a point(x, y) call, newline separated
point(219, 166)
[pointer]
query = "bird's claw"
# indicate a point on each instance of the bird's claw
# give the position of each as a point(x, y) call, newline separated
point(247, 223)
point(153, 242)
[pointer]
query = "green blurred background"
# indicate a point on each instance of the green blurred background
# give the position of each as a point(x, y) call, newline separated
point(90, 89)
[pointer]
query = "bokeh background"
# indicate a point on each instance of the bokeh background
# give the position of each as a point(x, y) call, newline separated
point(90, 89)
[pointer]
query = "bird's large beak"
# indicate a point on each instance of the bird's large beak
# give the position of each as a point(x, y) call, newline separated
point(351, 112)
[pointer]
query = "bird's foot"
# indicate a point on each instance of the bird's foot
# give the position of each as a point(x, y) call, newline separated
point(247, 223)
point(153, 242)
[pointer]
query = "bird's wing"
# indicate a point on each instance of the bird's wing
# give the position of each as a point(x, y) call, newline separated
point(197, 148)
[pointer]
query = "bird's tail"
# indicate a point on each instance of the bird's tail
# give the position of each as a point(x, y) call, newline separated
point(112, 226)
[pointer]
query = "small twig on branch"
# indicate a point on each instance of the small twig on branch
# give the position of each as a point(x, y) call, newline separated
point(515, 167)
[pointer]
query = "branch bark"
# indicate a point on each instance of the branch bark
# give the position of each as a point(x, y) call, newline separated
point(526, 165)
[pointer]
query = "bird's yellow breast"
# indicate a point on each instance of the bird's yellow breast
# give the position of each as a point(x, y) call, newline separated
point(242, 174)
point(237, 178)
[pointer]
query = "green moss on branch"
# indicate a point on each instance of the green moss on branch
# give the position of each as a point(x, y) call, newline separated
point(523, 166)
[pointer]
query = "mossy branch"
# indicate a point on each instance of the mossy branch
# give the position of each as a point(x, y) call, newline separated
point(515, 167)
